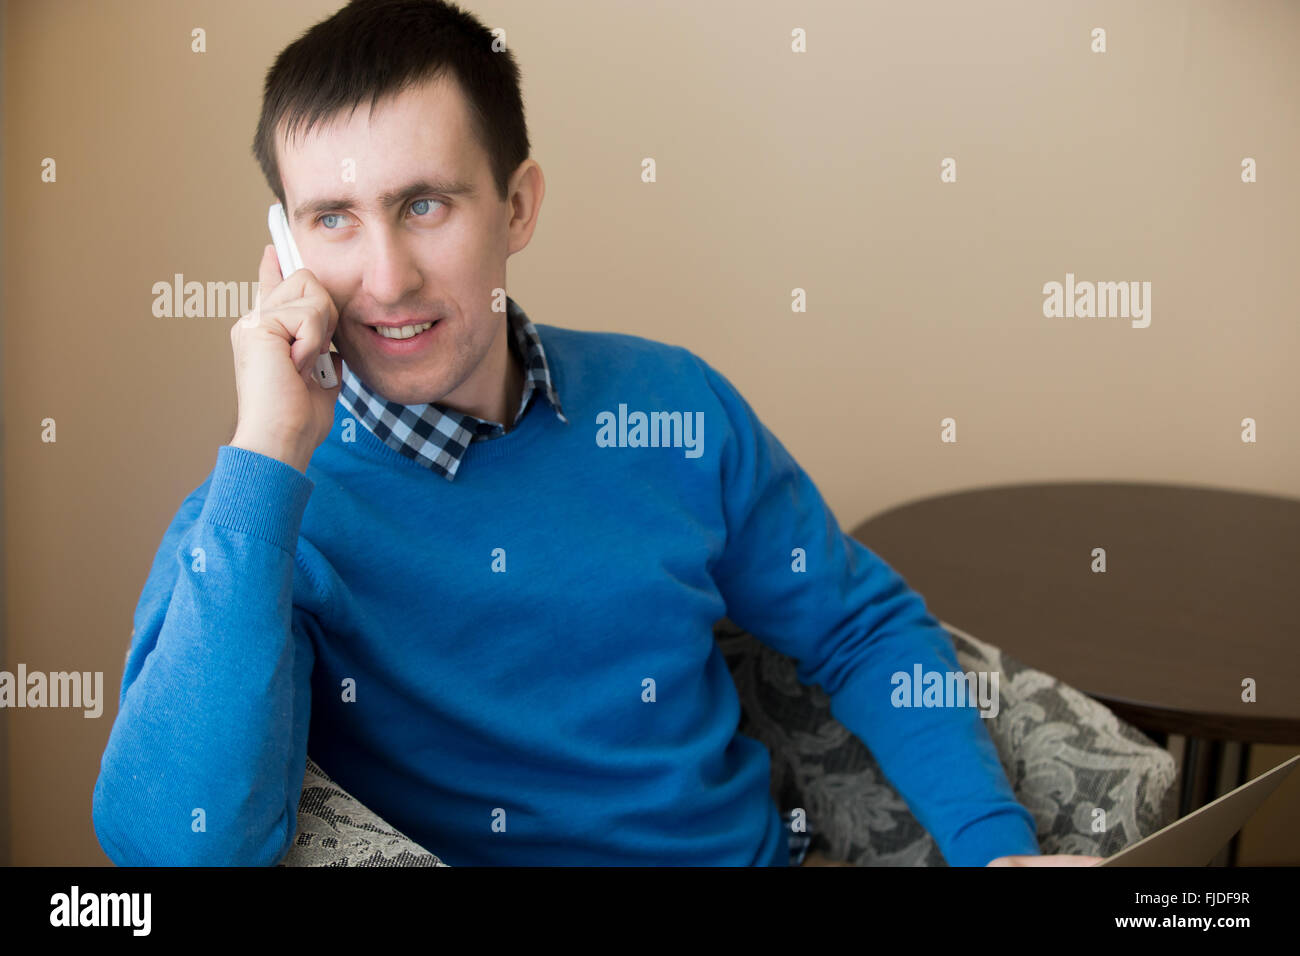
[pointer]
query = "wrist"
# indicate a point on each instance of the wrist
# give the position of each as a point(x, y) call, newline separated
point(289, 452)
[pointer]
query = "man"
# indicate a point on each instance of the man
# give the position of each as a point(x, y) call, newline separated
point(489, 612)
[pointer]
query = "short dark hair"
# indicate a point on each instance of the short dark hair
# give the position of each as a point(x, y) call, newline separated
point(374, 48)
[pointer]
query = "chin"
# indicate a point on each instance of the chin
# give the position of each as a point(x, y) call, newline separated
point(408, 394)
point(404, 389)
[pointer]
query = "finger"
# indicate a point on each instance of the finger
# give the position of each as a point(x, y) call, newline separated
point(299, 309)
point(320, 293)
point(291, 323)
point(299, 324)
point(315, 336)
point(307, 330)
point(1070, 859)
point(254, 317)
point(268, 272)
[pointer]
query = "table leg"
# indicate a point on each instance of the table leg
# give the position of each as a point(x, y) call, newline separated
point(1243, 767)
point(1187, 795)
point(1202, 763)
point(1214, 763)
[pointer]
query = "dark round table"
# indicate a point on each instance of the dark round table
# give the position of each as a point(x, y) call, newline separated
point(1199, 595)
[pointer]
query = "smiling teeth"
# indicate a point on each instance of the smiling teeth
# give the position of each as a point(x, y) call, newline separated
point(405, 332)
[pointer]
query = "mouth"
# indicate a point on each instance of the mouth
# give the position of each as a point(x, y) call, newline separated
point(405, 339)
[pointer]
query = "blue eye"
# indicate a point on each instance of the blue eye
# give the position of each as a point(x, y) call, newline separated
point(324, 219)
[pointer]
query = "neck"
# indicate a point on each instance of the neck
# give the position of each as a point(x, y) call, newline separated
point(514, 383)
point(502, 366)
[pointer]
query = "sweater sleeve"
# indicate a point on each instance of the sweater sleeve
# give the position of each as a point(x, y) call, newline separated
point(851, 622)
point(205, 759)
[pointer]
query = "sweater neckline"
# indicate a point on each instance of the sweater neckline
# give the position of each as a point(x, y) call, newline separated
point(494, 449)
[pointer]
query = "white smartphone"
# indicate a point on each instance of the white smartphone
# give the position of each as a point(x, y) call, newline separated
point(290, 262)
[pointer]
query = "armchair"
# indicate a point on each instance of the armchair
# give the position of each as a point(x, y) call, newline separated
point(1064, 753)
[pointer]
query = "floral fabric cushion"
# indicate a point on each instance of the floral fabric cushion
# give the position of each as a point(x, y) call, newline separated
point(335, 830)
point(1064, 753)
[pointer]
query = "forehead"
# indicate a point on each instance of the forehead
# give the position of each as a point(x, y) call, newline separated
point(422, 131)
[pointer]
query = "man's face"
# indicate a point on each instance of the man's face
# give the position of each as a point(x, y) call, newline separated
point(434, 253)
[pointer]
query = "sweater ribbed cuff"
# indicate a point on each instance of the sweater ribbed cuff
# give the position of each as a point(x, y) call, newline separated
point(258, 495)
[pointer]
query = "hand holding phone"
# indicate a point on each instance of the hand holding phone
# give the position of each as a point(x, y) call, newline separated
point(290, 261)
point(286, 397)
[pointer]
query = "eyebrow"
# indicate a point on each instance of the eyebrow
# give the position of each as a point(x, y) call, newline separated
point(388, 199)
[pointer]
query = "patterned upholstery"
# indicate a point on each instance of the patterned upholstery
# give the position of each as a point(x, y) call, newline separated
point(334, 829)
point(1064, 753)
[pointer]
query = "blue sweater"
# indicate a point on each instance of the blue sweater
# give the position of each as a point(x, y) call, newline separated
point(518, 667)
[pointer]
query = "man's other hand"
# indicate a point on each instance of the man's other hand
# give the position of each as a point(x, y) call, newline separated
point(1053, 859)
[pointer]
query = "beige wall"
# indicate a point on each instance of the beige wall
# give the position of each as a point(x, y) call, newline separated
point(775, 171)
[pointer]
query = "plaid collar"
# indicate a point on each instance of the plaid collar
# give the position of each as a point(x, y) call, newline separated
point(437, 437)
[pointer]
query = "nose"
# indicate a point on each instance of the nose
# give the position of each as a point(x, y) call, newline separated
point(391, 272)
